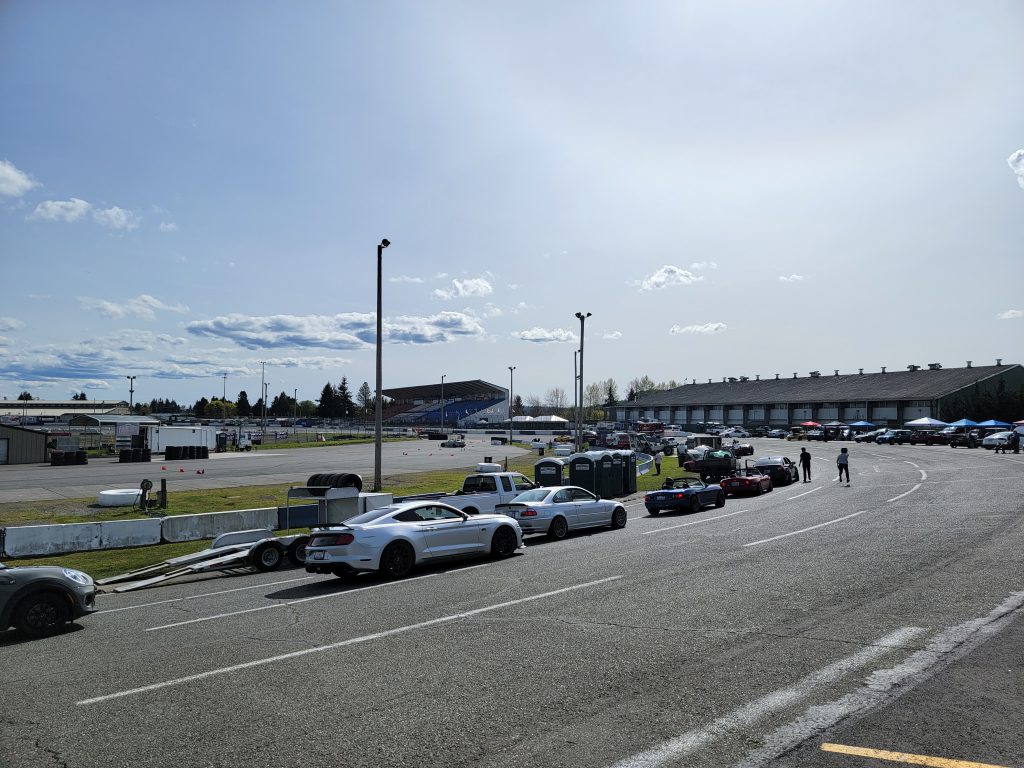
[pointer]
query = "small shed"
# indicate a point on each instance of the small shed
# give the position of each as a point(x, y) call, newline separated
point(22, 446)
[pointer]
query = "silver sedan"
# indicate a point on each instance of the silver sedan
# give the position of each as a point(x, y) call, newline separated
point(563, 508)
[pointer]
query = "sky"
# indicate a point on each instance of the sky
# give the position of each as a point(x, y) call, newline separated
point(191, 189)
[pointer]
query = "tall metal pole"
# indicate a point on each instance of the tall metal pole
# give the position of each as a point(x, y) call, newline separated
point(263, 389)
point(224, 394)
point(131, 391)
point(442, 400)
point(379, 410)
point(575, 388)
point(579, 422)
point(295, 402)
point(511, 368)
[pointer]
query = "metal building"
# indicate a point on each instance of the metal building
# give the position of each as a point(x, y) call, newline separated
point(22, 446)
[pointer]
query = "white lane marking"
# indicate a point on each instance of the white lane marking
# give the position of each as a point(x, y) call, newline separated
point(341, 644)
point(915, 466)
point(884, 685)
point(924, 475)
point(205, 594)
point(289, 602)
point(894, 498)
point(805, 493)
point(874, 467)
point(742, 718)
point(695, 522)
point(805, 530)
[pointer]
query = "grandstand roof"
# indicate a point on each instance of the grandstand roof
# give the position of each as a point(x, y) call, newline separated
point(474, 388)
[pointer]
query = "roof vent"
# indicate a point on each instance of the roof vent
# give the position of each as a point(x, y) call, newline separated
point(744, 378)
point(709, 381)
point(860, 371)
point(723, 379)
point(883, 369)
point(913, 367)
point(732, 379)
point(776, 376)
point(794, 374)
point(814, 374)
point(968, 363)
point(837, 371)
point(934, 366)
point(999, 361)
point(757, 377)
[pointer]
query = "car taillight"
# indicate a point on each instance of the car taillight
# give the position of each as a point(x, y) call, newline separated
point(334, 540)
point(529, 512)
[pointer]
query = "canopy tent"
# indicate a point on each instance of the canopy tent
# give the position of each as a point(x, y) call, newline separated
point(994, 423)
point(552, 419)
point(863, 424)
point(810, 424)
point(836, 424)
point(1019, 423)
point(963, 423)
point(926, 421)
point(522, 418)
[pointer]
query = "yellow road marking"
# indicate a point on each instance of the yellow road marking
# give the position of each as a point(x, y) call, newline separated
point(905, 757)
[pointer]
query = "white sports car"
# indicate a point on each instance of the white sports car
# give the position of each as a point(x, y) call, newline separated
point(397, 538)
point(563, 508)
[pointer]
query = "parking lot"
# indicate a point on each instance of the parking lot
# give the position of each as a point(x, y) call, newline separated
point(883, 616)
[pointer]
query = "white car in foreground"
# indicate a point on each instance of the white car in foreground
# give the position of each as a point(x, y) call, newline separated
point(997, 440)
point(397, 538)
point(563, 508)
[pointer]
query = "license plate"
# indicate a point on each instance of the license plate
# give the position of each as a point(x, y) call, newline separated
point(734, 484)
point(319, 555)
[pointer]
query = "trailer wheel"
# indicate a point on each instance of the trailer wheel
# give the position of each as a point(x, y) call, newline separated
point(267, 556)
point(297, 551)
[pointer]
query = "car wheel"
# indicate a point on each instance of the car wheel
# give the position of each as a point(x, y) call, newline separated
point(42, 614)
point(619, 518)
point(297, 551)
point(760, 489)
point(558, 529)
point(771, 486)
point(503, 542)
point(720, 499)
point(695, 504)
point(267, 556)
point(653, 512)
point(397, 560)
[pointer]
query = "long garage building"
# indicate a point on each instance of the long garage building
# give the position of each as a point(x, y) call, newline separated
point(886, 398)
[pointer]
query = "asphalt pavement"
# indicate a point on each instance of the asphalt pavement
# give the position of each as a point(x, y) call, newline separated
point(788, 629)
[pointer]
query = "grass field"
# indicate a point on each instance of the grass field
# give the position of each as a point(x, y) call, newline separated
point(102, 563)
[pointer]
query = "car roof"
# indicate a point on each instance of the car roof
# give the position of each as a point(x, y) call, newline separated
point(768, 460)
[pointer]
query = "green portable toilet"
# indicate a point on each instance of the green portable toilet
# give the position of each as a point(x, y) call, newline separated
point(583, 471)
point(628, 471)
point(605, 482)
point(616, 474)
point(549, 472)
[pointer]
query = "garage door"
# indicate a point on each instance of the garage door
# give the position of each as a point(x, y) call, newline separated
point(3, 449)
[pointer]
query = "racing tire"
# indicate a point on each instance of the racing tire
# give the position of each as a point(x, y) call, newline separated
point(296, 551)
point(720, 499)
point(397, 560)
point(760, 489)
point(503, 542)
point(619, 518)
point(268, 556)
point(695, 505)
point(558, 529)
point(42, 613)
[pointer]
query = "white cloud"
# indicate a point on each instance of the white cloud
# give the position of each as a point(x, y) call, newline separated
point(546, 336)
point(700, 266)
point(666, 276)
point(142, 305)
point(10, 324)
point(14, 182)
point(522, 306)
point(4, 341)
point(168, 226)
point(791, 278)
point(1010, 314)
point(707, 328)
point(95, 384)
point(1016, 163)
point(474, 286)
point(405, 279)
point(513, 286)
point(61, 210)
point(440, 276)
point(116, 218)
point(613, 335)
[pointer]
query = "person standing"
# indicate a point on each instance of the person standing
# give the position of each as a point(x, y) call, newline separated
point(805, 464)
point(657, 462)
point(843, 462)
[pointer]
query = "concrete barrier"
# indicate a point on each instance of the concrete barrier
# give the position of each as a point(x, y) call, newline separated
point(36, 540)
point(211, 524)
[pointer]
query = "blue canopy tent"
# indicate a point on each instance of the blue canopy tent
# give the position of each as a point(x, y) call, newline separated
point(994, 423)
point(863, 424)
point(963, 423)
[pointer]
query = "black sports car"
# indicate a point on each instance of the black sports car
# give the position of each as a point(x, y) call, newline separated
point(684, 496)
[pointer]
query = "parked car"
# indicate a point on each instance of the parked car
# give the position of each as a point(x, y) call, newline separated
point(893, 436)
point(760, 432)
point(684, 496)
point(743, 449)
point(726, 434)
point(814, 434)
point(749, 481)
point(557, 510)
point(928, 437)
point(996, 440)
point(869, 437)
point(39, 600)
point(796, 433)
point(780, 469)
point(396, 538)
point(454, 442)
point(778, 433)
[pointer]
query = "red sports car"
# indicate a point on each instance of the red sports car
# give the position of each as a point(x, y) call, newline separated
point(748, 481)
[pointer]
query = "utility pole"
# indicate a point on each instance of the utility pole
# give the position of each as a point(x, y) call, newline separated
point(224, 393)
point(511, 369)
point(579, 414)
point(379, 415)
point(263, 389)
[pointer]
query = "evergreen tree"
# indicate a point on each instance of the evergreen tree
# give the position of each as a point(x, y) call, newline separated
point(328, 405)
point(365, 399)
point(25, 395)
point(611, 393)
point(345, 405)
point(79, 396)
point(199, 409)
point(517, 406)
point(242, 407)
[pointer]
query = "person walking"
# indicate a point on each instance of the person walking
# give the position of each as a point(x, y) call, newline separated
point(657, 462)
point(805, 464)
point(1015, 436)
point(843, 462)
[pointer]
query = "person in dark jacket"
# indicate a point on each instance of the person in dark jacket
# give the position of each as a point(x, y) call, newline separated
point(805, 464)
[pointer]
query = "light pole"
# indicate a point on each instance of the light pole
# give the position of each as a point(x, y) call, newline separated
point(511, 368)
point(579, 412)
point(131, 391)
point(263, 389)
point(295, 403)
point(442, 399)
point(266, 386)
point(575, 381)
point(224, 393)
point(379, 410)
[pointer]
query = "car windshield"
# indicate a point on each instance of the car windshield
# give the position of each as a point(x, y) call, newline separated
point(537, 494)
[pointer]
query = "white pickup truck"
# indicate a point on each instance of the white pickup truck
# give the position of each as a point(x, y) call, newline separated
point(483, 491)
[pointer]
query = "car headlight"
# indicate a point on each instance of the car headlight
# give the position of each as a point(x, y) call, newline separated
point(81, 578)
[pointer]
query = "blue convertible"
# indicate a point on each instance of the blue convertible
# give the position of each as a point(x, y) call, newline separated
point(684, 496)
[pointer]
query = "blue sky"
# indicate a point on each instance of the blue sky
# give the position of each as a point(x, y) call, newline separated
point(730, 188)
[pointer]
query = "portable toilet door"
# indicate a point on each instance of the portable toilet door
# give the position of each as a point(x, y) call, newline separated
point(605, 476)
point(549, 472)
point(628, 471)
point(616, 474)
point(582, 471)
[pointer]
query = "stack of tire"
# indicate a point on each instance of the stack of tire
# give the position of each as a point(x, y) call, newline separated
point(179, 452)
point(321, 482)
point(134, 455)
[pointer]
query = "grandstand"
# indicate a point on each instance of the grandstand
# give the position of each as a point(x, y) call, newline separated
point(465, 403)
